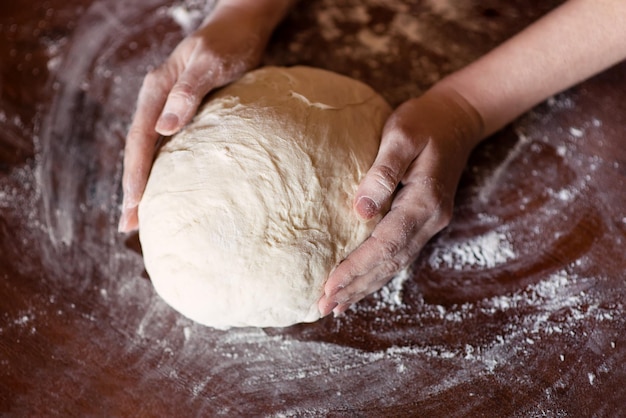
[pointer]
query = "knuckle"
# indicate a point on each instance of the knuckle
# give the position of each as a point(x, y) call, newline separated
point(185, 90)
point(403, 134)
point(443, 217)
point(437, 202)
point(386, 176)
point(389, 248)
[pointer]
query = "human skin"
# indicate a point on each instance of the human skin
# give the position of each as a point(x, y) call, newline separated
point(219, 52)
point(425, 142)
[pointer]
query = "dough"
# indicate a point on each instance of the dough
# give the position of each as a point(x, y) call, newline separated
point(249, 208)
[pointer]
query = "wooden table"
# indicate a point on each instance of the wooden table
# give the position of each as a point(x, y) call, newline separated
point(516, 309)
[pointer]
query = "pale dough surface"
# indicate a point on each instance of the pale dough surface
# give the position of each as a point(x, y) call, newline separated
point(249, 208)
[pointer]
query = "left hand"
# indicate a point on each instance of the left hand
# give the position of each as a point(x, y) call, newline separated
point(424, 148)
point(228, 44)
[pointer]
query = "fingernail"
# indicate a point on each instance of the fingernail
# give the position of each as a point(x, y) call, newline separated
point(329, 309)
point(326, 305)
point(366, 208)
point(167, 124)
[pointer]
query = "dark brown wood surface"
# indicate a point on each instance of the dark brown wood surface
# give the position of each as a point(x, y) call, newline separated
point(516, 309)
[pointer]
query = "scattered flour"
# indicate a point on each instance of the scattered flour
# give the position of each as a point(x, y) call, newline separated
point(378, 44)
point(575, 132)
point(446, 8)
point(188, 19)
point(390, 295)
point(484, 251)
point(560, 304)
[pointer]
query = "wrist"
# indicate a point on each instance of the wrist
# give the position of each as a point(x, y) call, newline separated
point(462, 116)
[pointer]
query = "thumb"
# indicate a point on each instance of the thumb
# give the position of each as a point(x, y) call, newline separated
point(183, 100)
point(400, 145)
point(382, 179)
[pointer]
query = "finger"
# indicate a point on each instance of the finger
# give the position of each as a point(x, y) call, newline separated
point(363, 286)
point(197, 79)
point(358, 289)
point(140, 144)
point(420, 210)
point(380, 254)
point(326, 305)
point(397, 151)
point(353, 287)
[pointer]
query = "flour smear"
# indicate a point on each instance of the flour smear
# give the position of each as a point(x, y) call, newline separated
point(66, 202)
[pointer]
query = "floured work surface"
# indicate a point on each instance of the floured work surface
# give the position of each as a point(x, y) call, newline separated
point(516, 308)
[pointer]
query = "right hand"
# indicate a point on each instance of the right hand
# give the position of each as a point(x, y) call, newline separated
point(230, 43)
point(424, 148)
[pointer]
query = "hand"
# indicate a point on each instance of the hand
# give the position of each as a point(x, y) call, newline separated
point(229, 43)
point(424, 148)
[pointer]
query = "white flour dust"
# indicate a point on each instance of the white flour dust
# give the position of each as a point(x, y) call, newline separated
point(483, 251)
point(390, 296)
point(189, 14)
point(90, 72)
point(357, 32)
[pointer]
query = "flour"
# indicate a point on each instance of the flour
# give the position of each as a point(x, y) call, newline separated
point(566, 195)
point(189, 15)
point(378, 44)
point(326, 21)
point(484, 251)
point(390, 296)
point(394, 339)
point(575, 132)
point(562, 293)
point(407, 26)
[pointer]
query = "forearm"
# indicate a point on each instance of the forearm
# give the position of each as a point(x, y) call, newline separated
point(570, 44)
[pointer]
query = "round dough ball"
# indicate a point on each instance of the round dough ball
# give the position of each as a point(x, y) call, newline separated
point(249, 208)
